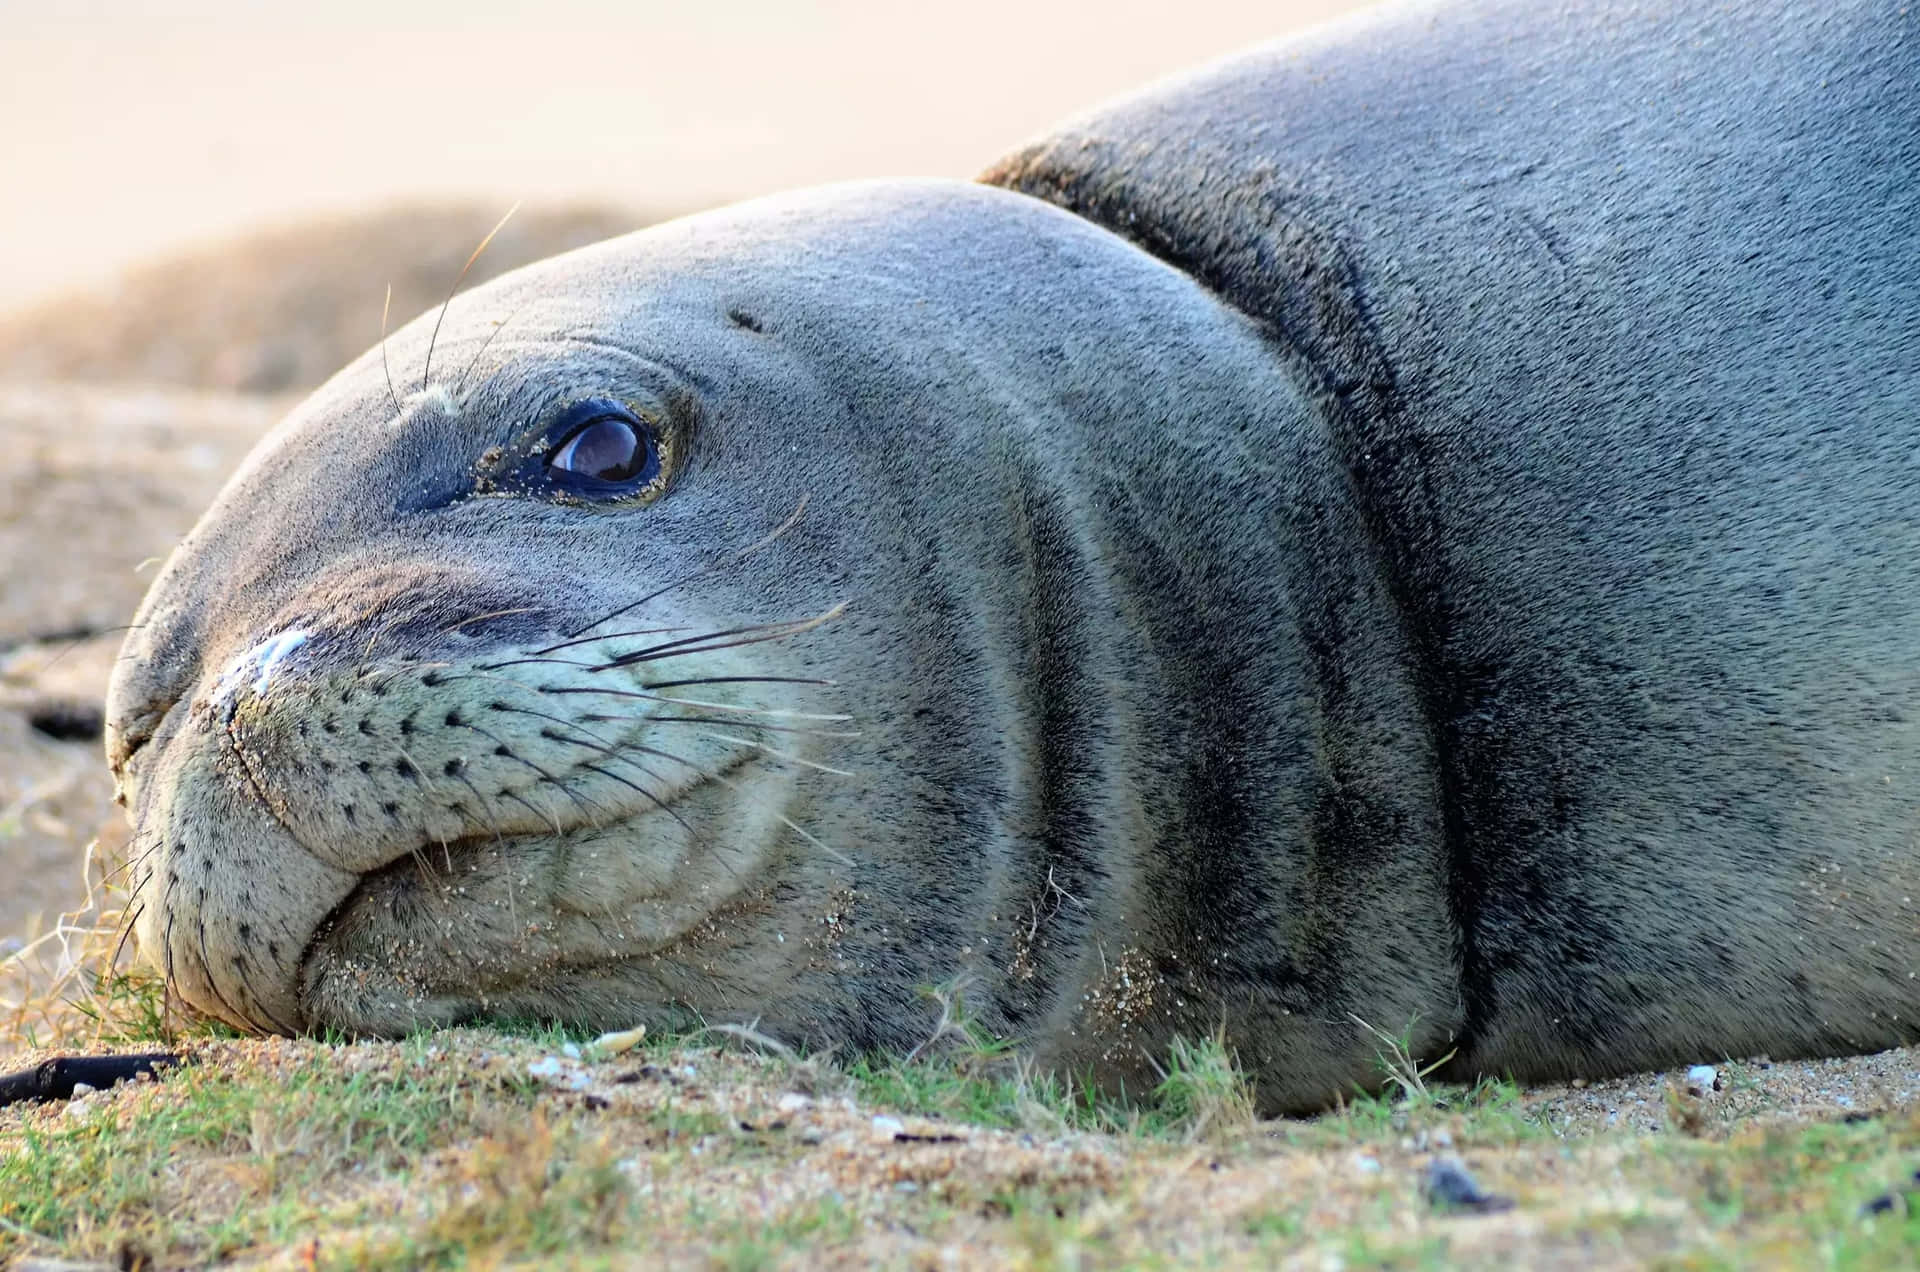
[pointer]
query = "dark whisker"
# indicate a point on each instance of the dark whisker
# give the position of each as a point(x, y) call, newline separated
point(713, 642)
point(362, 670)
point(461, 385)
point(450, 628)
point(213, 982)
point(751, 724)
point(592, 810)
point(615, 754)
point(731, 708)
point(721, 778)
point(127, 866)
point(484, 803)
point(126, 933)
point(775, 630)
point(687, 651)
point(644, 631)
point(729, 680)
point(792, 520)
point(537, 812)
point(646, 794)
point(601, 745)
point(166, 937)
point(788, 756)
point(73, 640)
point(426, 373)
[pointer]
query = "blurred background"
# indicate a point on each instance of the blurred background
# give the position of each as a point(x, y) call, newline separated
point(202, 204)
point(129, 127)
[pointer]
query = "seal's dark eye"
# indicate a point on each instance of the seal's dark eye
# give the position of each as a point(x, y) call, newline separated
point(615, 448)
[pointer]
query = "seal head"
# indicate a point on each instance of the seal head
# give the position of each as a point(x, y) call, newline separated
point(766, 616)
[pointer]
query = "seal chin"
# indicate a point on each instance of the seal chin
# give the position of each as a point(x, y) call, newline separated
point(226, 899)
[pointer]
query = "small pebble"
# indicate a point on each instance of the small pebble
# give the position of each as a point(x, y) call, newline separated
point(613, 1044)
point(81, 1089)
point(811, 1135)
point(1366, 1165)
point(550, 1070)
point(885, 1127)
point(793, 1102)
point(1448, 1186)
point(1704, 1078)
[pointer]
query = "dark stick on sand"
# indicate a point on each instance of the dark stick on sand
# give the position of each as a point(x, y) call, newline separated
point(55, 1079)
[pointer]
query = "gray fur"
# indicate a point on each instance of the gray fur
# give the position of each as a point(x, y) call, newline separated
point(1439, 555)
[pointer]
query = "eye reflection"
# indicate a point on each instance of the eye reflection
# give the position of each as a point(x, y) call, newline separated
point(609, 448)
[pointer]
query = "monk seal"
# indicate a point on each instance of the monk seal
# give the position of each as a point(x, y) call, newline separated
point(1413, 525)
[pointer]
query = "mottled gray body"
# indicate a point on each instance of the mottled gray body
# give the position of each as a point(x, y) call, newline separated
point(1420, 532)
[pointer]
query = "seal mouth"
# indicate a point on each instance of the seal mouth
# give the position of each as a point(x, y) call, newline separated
point(431, 825)
point(447, 931)
point(415, 867)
